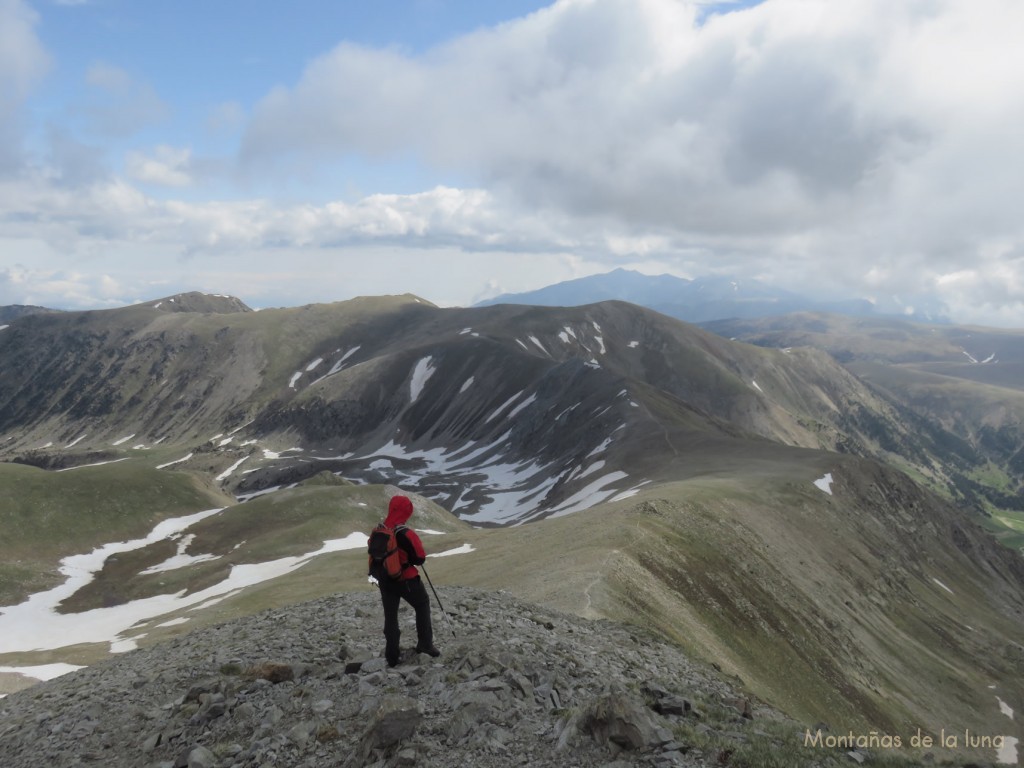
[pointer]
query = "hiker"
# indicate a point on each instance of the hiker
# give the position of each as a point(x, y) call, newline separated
point(407, 586)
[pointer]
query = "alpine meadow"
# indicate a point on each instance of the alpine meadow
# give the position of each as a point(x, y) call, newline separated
point(824, 517)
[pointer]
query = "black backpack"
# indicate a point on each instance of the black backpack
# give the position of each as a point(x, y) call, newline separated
point(385, 556)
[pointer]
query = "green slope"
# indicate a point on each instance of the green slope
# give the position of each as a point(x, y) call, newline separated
point(45, 515)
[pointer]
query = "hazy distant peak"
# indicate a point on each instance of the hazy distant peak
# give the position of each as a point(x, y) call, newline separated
point(700, 300)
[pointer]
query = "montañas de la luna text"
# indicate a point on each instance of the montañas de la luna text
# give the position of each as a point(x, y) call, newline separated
point(876, 740)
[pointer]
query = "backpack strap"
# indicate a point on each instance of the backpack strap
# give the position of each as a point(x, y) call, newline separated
point(403, 543)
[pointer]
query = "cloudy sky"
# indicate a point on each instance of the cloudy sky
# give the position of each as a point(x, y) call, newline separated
point(316, 150)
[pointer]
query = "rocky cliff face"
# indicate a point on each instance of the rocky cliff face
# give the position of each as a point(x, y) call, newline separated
point(306, 685)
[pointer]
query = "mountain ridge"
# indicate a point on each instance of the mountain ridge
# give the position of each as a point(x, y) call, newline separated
point(366, 382)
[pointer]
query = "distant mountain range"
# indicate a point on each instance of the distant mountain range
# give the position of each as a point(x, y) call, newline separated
point(703, 299)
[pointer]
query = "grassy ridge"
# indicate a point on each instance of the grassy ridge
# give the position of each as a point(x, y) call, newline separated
point(289, 523)
point(47, 515)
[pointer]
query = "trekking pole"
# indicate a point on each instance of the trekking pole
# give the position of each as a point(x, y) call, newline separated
point(438, 600)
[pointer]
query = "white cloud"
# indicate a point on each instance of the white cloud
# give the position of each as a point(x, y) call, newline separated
point(167, 166)
point(834, 136)
point(864, 147)
point(58, 289)
point(23, 62)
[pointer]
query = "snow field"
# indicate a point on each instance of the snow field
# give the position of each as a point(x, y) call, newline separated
point(35, 625)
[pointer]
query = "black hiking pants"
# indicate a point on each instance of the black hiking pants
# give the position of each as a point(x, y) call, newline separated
point(413, 592)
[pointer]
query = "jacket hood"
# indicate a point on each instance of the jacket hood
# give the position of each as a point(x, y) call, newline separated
point(399, 511)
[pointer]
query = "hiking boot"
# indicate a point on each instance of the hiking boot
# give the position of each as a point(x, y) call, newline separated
point(429, 650)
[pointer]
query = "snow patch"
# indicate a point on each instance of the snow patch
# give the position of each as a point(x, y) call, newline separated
point(757, 387)
point(42, 671)
point(592, 494)
point(465, 549)
point(338, 365)
point(466, 384)
point(312, 366)
point(123, 440)
point(499, 489)
point(180, 560)
point(536, 341)
point(1007, 754)
point(421, 374)
point(125, 644)
point(630, 492)
point(600, 342)
point(497, 412)
point(943, 585)
point(227, 472)
point(518, 408)
point(571, 408)
point(262, 492)
point(825, 483)
point(633, 344)
point(35, 625)
point(295, 379)
point(97, 464)
point(76, 441)
point(1005, 708)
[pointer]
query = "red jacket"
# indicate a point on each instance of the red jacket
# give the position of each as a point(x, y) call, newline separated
point(399, 511)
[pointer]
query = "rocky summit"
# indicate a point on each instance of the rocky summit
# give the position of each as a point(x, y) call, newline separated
point(307, 686)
